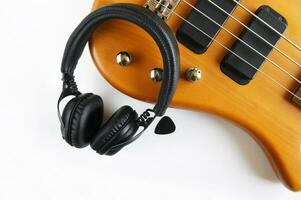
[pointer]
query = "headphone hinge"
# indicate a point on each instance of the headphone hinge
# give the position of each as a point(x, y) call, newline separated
point(69, 86)
point(146, 118)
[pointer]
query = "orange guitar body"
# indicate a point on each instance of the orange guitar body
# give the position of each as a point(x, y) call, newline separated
point(261, 107)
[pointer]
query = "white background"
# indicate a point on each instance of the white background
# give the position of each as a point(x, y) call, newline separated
point(207, 157)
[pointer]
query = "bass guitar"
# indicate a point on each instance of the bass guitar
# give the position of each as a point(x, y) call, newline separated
point(240, 60)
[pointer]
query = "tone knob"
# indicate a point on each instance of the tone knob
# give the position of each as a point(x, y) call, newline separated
point(156, 74)
point(193, 74)
point(123, 58)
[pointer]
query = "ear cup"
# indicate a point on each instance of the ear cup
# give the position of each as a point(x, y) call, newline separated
point(119, 128)
point(82, 118)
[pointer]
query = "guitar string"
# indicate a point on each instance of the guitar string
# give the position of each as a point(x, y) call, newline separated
point(246, 44)
point(252, 31)
point(218, 42)
point(265, 23)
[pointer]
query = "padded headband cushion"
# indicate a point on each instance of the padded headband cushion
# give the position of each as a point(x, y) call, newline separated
point(147, 20)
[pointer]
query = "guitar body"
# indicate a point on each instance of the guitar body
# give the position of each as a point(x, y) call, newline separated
point(261, 107)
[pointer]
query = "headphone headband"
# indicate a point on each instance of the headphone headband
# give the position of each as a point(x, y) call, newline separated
point(147, 20)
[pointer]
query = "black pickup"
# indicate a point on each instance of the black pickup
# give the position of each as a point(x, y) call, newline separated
point(193, 38)
point(239, 70)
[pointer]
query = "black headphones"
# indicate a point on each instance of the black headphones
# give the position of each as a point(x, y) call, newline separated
point(82, 116)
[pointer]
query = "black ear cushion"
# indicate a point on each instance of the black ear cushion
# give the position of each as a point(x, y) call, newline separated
point(119, 128)
point(82, 117)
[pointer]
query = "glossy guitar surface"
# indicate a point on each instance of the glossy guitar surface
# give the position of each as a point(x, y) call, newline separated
point(261, 107)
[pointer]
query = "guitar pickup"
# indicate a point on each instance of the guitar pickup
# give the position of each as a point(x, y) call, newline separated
point(242, 65)
point(194, 39)
point(295, 99)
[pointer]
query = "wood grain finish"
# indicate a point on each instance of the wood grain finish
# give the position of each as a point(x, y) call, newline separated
point(261, 107)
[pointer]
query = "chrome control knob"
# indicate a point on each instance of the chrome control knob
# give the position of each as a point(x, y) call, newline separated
point(123, 58)
point(156, 74)
point(193, 74)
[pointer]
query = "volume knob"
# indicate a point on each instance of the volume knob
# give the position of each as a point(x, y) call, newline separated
point(193, 74)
